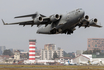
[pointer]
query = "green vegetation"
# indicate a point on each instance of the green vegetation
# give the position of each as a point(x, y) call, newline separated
point(55, 55)
point(7, 52)
point(92, 52)
point(71, 55)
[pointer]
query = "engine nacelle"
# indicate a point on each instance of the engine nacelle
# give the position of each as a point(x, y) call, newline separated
point(93, 21)
point(38, 20)
point(54, 18)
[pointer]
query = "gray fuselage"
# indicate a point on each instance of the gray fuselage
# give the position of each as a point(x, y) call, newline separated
point(67, 22)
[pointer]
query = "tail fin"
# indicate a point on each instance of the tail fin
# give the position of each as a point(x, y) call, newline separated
point(4, 22)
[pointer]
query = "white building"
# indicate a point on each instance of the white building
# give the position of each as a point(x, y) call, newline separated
point(83, 58)
point(48, 54)
point(86, 59)
point(2, 48)
point(17, 55)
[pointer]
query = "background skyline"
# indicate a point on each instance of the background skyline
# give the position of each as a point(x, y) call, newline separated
point(17, 37)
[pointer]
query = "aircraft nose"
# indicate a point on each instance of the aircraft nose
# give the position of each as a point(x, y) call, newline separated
point(82, 12)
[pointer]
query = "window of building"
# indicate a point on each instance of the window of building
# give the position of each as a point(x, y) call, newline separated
point(95, 45)
point(88, 45)
point(95, 41)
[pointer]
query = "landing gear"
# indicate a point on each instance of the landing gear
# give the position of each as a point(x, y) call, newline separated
point(53, 31)
point(68, 32)
point(80, 25)
point(87, 25)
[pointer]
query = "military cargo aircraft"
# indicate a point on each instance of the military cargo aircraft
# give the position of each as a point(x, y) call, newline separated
point(58, 23)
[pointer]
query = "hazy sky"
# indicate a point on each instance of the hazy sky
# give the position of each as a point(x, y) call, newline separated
point(17, 37)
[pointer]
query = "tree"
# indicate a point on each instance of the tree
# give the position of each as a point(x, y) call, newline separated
point(88, 52)
point(96, 50)
point(71, 54)
point(66, 54)
point(27, 55)
point(7, 52)
point(55, 55)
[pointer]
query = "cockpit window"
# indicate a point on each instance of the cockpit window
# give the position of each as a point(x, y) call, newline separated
point(77, 9)
point(80, 8)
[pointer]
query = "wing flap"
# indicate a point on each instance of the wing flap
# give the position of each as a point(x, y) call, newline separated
point(95, 25)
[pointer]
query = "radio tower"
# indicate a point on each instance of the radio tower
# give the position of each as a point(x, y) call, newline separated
point(32, 44)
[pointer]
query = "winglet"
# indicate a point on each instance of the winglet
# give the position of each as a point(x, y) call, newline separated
point(4, 22)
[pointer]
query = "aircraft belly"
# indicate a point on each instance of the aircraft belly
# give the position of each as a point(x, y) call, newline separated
point(70, 24)
point(44, 30)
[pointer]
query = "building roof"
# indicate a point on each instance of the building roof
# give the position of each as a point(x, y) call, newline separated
point(17, 51)
point(88, 56)
point(65, 58)
point(5, 56)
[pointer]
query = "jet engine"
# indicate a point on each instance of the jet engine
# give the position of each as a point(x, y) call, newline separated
point(54, 18)
point(93, 21)
point(38, 20)
point(87, 17)
point(84, 21)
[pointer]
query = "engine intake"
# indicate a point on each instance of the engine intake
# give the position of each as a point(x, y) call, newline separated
point(86, 17)
point(38, 20)
point(54, 18)
point(95, 20)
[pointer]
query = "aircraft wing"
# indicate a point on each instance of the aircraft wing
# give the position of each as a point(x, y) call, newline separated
point(86, 23)
point(24, 22)
point(95, 25)
point(45, 21)
point(31, 15)
point(37, 19)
